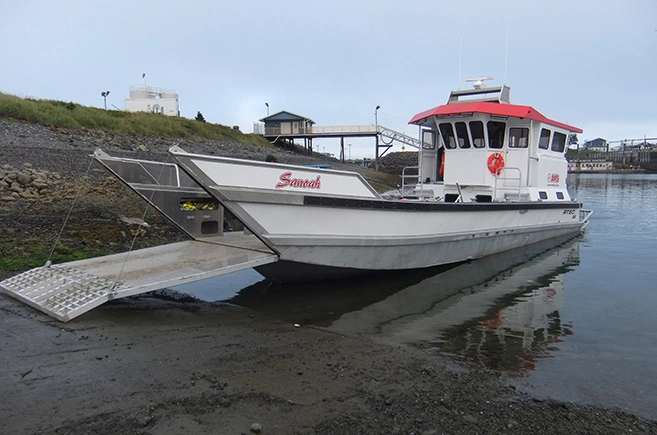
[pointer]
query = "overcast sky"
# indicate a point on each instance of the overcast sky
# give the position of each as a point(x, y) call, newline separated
point(591, 64)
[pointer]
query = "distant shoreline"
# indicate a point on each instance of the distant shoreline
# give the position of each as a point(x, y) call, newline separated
point(614, 171)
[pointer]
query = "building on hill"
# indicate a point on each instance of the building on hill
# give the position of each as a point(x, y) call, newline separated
point(286, 123)
point(154, 100)
point(286, 126)
point(598, 144)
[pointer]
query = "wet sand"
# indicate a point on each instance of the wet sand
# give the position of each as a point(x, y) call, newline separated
point(153, 365)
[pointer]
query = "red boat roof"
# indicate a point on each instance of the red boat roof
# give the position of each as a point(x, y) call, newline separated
point(489, 108)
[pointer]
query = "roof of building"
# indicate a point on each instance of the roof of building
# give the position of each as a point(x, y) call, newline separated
point(286, 116)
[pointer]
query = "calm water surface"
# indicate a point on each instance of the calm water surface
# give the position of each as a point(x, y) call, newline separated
point(610, 301)
point(574, 322)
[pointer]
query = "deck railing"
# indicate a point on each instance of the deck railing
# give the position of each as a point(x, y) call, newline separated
point(509, 184)
point(320, 130)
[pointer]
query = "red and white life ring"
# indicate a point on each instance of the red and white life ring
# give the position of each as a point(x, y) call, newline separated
point(495, 163)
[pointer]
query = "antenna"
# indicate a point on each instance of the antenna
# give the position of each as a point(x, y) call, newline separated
point(506, 53)
point(479, 81)
point(460, 49)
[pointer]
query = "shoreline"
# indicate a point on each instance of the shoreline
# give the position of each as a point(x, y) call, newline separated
point(156, 364)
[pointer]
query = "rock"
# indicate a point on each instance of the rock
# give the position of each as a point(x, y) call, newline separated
point(256, 427)
point(39, 184)
point(24, 179)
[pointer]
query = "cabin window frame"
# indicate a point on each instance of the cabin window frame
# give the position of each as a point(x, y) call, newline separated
point(462, 138)
point(544, 140)
point(502, 128)
point(431, 145)
point(524, 134)
point(478, 139)
point(558, 146)
point(449, 140)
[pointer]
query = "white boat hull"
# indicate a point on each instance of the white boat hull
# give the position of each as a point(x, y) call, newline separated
point(342, 231)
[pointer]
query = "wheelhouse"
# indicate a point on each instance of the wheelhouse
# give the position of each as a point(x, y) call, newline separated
point(479, 147)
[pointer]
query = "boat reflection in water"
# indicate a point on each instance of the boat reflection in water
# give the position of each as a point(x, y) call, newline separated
point(501, 311)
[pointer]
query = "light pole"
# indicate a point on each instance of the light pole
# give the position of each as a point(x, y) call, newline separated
point(376, 118)
point(349, 145)
point(267, 104)
point(376, 138)
point(104, 94)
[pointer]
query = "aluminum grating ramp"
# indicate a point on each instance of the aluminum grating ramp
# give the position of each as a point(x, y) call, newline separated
point(68, 290)
point(60, 291)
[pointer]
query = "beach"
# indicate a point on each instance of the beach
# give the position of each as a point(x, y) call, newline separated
point(157, 364)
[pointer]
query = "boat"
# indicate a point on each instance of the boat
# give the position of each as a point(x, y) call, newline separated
point(491, 177)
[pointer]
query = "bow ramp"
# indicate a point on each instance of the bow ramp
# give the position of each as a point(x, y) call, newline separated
point(67, 290)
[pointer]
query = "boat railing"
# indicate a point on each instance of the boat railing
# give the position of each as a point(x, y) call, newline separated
point(584, 215)
point(508, 184)
point(413, 178)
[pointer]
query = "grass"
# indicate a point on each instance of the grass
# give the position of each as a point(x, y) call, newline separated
point(17, 259)
point(70, 115)
point(15, 255)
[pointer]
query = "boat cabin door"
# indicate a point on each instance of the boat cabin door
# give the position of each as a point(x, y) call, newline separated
point(517, 156)
point(429, 162)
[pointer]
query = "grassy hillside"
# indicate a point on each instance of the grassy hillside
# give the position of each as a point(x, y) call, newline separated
point(71, 115)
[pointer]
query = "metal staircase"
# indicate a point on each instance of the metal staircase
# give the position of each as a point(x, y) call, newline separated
point(399, 137)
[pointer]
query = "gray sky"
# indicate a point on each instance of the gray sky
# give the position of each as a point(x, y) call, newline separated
point(588, 63)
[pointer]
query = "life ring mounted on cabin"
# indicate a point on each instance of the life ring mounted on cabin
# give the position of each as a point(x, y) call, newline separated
point(496, 163)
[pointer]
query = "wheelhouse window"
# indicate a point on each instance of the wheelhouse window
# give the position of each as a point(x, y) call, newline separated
point(477, 133)
point(428, 139)
point(558, 142)
point(544, 140)
point(518, 137)
point(496, 134)
point(462, 134)
point(447, 133)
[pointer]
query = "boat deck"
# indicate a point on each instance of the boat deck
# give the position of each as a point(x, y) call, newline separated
point(67, 290)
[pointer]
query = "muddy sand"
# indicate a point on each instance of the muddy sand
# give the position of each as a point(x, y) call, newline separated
point(152, 364)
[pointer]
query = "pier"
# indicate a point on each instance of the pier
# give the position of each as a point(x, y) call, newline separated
point(284, 126)
point(384, 137)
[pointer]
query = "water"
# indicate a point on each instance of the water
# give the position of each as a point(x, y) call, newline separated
point(573, 322)
point(610, 301)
